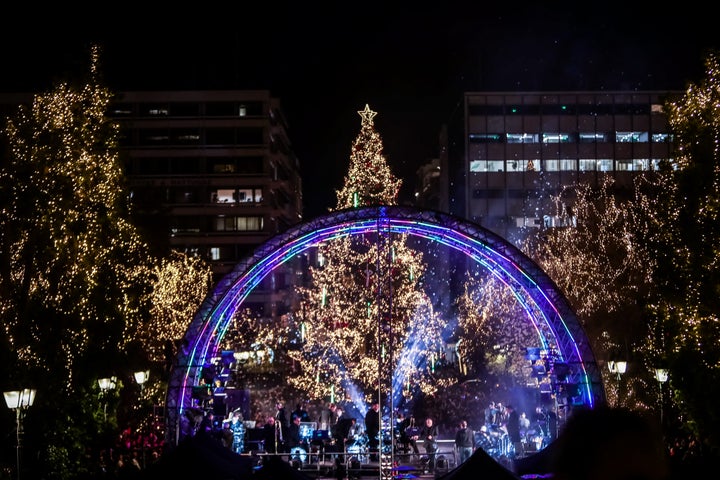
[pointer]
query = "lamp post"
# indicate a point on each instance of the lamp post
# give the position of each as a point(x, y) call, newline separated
point(106, 384)
point(141, 377)
point(19, 400)
point(661, 375)
point(617, 366)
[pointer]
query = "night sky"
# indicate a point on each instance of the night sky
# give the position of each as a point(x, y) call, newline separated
point(411, 65)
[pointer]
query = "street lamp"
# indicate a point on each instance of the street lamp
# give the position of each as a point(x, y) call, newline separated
point(105, 385)
point(141, 377)
point(661, 375)
point(617, 366)
point(19, 400)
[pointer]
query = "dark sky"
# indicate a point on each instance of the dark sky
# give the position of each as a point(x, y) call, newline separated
point(410, 64)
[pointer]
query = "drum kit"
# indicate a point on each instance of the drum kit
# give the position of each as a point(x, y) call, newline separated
point(357, 451)
point(307, 432)
point(298, 454)
point(357, 447)
point(535, 438)
point(496, 443)
point(313, 444)
point(493, 439)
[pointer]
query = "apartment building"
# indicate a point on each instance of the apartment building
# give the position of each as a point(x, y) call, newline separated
point(507, 153)
point(211, 173)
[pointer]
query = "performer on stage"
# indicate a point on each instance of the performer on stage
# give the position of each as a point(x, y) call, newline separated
point(429, 434)
point(464, 441)
point(513, 430)
point(409, 434)
point(372, 429)
point(281, 422)
point(294, 440)
point(238, 432)
point(272, 439)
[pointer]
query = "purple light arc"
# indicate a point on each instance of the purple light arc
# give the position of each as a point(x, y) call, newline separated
point(546, 307)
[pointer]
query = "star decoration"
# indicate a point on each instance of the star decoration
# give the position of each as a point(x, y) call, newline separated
point(367, 114)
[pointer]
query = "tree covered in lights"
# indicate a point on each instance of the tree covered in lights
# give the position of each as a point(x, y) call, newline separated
point(493, 333)
point(74, 276)
point(365, 315)
point(179, 285)
point(77, 283)
point(683, 235)
point(596, 256)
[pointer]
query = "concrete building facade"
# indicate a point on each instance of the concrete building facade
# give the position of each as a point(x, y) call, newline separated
point(509, 152)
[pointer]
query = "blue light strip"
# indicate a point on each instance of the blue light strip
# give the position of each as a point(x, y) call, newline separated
point(207, 342)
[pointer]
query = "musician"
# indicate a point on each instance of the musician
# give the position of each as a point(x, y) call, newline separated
point(372, 429)
point(464, 441)
point(513, 429)
point(281, 418)
point(293, 439)
point(524, 422)
point(409, 434)
point(429, 434)
point(328, 417)
point(552, 425)
point(540, 420)
point(271, 436)
point(344, 431)
point(237, 427)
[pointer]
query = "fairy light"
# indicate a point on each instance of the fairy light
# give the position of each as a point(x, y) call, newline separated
point(181, 283)
point(64, 219)
point(342, 305)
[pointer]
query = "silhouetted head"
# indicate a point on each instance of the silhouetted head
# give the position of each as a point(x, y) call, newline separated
point(609, 443)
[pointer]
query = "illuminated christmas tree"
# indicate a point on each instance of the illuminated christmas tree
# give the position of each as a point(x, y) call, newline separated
point(74, 269)
point(180, 285)
point(493, 333)
point(682, 232)
point(369, 180)
point(365, 318)
point(77, 283)
point(597, 258)
point(75, 273)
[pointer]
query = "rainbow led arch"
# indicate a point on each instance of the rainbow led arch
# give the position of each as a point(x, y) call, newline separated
point(547, 309)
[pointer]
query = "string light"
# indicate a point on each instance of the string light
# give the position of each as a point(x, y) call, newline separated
point(342, 306)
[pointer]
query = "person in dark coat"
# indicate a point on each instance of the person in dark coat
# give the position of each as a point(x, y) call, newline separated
point(513, 429)
point(464, 441)
point(429, 434)
point(282, 422)
point(293, 439)
point(372, 429)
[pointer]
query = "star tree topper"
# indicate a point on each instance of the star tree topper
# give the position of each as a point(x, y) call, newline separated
point(367, 114)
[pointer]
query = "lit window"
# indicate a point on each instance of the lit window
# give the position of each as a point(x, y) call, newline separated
point(556, 137)
point(478, 165)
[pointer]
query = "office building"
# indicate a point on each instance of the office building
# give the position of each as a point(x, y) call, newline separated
point(509, 152)
point(211, 173)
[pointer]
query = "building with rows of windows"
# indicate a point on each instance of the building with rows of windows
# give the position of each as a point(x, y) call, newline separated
point(213, 174)
point(210, 173)
point(214, 170)
point(510, 151)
